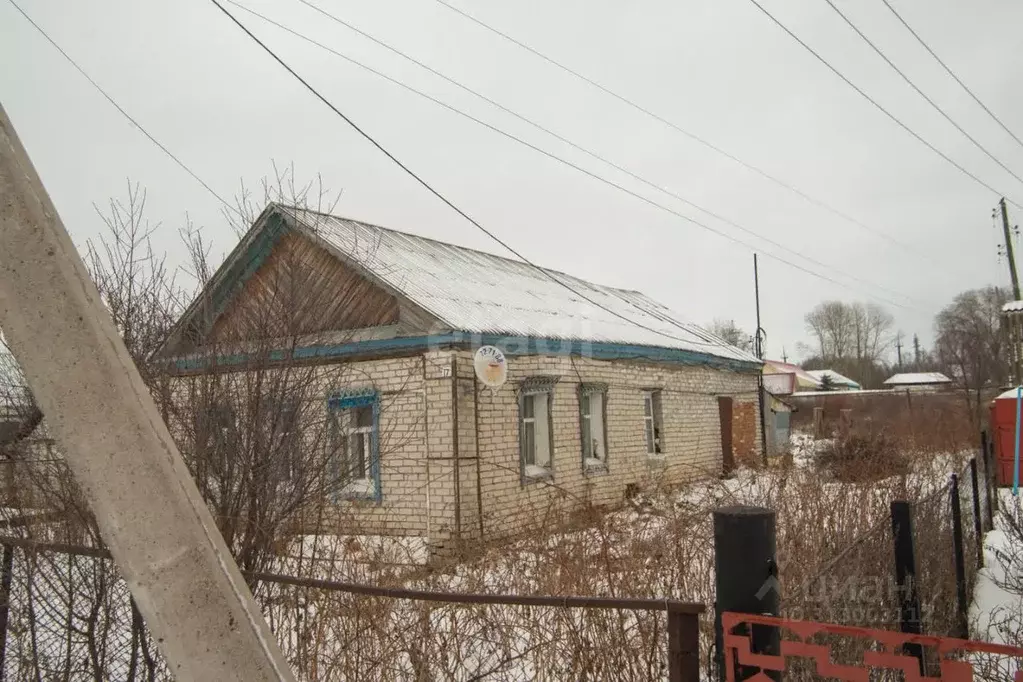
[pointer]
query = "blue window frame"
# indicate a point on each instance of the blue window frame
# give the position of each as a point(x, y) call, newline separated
point(355, 445)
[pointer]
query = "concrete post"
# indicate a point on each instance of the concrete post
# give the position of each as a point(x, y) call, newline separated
point(149, 511)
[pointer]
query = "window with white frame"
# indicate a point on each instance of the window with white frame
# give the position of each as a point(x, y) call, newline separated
point(652, 422)
point(535, 438)
point(354, 433)
point(592, 412)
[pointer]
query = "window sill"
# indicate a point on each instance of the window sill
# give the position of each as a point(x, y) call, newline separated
point(364, 491)
point(534, 474)
point(656, 461)
point(594, 467)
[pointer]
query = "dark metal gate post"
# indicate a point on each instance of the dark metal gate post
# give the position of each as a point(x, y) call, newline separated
point(990, 515)
point(959, 552)
point(978, 522)
point(745, 565)
point(683, 647)
point(905, 577)
point(6, 575)
point(991, 467)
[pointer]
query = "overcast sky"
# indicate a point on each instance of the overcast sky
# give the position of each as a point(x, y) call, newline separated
point(717, 68)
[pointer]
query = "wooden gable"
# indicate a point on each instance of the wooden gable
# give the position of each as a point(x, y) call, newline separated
point(301, 289)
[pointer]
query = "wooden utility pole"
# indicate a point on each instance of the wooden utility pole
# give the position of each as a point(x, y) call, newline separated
point(1009, 252)
point(149, 511)
point(916, 350)
point(898, 348)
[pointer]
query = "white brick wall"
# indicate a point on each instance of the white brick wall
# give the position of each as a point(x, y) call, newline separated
point(691, 438)
point(419, 478)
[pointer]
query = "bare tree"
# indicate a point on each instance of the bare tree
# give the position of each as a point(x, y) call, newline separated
point(969, 342)
point(858, 331)
point(731, 333)
point(831, 324)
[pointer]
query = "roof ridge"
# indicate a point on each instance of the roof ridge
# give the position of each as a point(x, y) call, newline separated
point(489, 254)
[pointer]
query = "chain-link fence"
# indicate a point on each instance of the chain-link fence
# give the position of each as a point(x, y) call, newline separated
point(67, 615)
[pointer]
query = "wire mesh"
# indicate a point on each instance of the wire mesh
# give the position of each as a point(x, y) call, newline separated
point(71, 618)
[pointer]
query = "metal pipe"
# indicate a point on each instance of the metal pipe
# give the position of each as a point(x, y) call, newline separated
point(426, 444)
point(476, 441)
point(454, 448)
point(635, 604)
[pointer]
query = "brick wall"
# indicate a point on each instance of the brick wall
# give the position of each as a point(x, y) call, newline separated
point(692, 436)
point(446, 485)
point(746, 431)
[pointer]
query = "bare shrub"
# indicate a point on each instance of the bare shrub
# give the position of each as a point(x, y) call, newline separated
point(863, 455)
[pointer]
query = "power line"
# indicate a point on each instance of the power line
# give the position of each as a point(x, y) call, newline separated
point(574, 145)
point(534, 148)
point(117, 106)
point(870, 99)
point(920, 92)
point(436, 192)
point(951, 73)
point(696, 138)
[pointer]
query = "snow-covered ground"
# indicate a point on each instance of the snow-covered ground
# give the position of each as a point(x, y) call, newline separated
point(996, 614)
point(660, 545)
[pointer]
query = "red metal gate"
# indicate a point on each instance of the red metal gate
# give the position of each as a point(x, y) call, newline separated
point(887, 652)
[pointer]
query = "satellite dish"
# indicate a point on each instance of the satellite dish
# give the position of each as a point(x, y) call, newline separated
point(491, 366)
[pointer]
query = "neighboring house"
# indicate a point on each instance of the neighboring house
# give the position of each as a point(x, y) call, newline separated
point(602, 398)
point(782, 378)
point(838, 381)
point(919, 381)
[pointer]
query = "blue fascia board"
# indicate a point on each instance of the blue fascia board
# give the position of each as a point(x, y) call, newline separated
point(511, 345)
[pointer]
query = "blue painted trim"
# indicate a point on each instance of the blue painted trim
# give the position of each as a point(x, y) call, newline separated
point(246, 266)
point(343, 400)
point(511, 345)
point(1015, 460)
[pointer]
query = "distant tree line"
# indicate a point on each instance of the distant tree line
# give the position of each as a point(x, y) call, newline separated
point(860, 340)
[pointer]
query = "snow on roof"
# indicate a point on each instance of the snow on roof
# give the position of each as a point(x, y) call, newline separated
point(479, 292)
point(909, 378)
point(1011, 393)
point(1012, 307)
point(779, 367)
point(836, 378)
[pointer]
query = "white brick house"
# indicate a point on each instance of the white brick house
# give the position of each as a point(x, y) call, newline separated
point(604, 396)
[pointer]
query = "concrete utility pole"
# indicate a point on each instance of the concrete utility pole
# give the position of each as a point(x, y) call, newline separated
point(148, 508)
point(1009, 252)
point(758, 349)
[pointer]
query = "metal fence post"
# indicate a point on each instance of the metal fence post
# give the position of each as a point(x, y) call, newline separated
point(6, 575)
point(992, 479)
point(683, 647)
point(989, 516)
point(745, 565)
point(978, 522)
point(905, 577)
point(959, 554)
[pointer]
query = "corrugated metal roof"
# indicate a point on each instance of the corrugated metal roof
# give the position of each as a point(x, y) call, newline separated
point(917, 378)
point(479, 292)
point(804, 378)
point(1012, 307)
point(836, 378)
